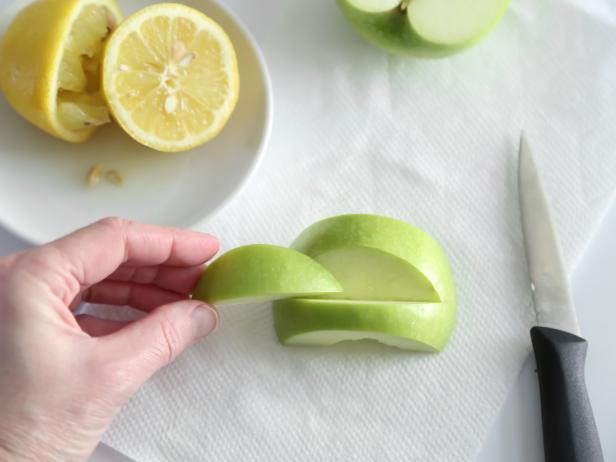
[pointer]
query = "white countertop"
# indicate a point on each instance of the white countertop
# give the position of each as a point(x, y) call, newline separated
point(516, 435)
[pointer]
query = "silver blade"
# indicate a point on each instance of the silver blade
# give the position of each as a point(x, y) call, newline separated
point(551, 291)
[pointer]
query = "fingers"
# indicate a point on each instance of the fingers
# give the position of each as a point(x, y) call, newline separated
point(141, 296)
point(146, 345)
point(99, 327)
point(90, 254)
point(177, 279)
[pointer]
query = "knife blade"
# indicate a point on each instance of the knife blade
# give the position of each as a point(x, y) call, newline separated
point(569, 430)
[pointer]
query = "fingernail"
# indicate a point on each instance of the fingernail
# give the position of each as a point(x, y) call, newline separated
point(205, 319)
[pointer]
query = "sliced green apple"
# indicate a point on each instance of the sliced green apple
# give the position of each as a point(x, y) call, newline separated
point(398, 286)
point(410, 326)
point(348, 277)
point(426, 28)
point(263, 272)
point(379, 258)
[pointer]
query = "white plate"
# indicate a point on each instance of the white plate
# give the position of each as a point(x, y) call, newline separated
point(43, 194)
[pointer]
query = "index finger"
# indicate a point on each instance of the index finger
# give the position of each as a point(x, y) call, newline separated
point(92, 253)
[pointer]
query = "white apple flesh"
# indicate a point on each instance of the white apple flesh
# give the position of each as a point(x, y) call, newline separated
point(423, 28)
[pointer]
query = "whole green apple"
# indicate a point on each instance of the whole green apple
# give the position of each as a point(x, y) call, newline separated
point(423, 28)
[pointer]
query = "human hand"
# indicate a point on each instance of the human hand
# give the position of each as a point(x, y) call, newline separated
point(63, 378)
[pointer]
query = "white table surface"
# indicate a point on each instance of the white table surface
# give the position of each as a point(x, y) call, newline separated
point(516, 435)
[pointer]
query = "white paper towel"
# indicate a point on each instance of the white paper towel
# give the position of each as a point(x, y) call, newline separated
point(430, 142)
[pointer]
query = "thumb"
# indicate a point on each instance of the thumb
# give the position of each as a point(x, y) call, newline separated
point(145, 346)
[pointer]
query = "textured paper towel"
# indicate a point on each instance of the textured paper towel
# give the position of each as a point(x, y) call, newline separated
point(430, 142)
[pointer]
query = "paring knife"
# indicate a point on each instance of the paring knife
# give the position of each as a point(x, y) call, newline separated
point(569, 430)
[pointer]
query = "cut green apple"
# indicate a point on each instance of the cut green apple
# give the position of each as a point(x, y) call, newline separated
point(349, 277)
point(379, 258)
point(397, 285)
point(410, 326)
point(424, 28)
point(263, 272)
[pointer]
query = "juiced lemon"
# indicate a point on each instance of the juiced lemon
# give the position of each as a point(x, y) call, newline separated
point(49, 64)
point(170, 77)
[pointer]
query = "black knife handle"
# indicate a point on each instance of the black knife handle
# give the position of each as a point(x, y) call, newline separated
point(569, 429)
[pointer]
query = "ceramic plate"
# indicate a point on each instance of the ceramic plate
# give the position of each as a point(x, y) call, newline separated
point(43, 191)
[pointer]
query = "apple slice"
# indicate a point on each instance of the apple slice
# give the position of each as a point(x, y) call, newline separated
point(379, 258)
point(410, 326)
point(426, 28)
point(263, 272)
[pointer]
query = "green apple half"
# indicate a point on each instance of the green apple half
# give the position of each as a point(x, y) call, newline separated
point(397, 282)
point(263, 272)
point(410, 326)
point(424, 28)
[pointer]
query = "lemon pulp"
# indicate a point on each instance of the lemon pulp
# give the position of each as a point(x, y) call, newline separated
point(79, 101)
point(50, 64)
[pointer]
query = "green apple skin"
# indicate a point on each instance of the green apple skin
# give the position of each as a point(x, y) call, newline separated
point(392, 31)
point(263, 272)
point(410, 326)
point(393, 260)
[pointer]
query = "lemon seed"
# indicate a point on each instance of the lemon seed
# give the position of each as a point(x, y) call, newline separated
point(94, 175)
point(171, 104)
point(179, 50)
point(114, 177)
point(187, 59)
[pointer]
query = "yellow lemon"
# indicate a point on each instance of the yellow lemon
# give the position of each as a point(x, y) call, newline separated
point(170, 77)
point(49, 64)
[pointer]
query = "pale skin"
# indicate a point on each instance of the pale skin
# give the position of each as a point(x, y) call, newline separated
point(64, 377)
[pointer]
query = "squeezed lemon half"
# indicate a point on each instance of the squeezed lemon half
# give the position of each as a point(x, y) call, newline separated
point(170, 77)
point(49, 64)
